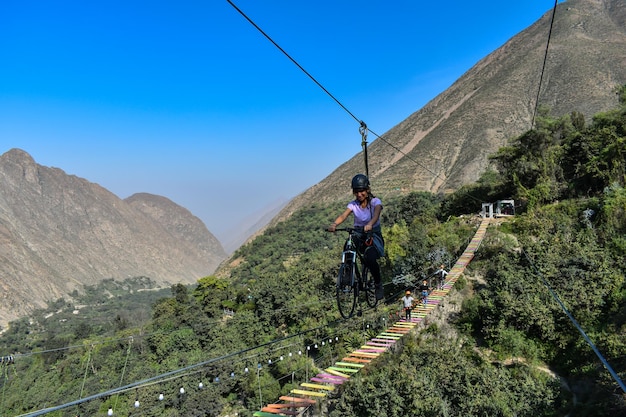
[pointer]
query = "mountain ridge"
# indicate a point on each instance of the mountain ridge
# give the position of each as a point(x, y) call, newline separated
point(447, 143)
point(60, 232)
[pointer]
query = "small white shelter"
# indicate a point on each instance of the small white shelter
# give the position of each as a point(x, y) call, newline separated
point(487, 210)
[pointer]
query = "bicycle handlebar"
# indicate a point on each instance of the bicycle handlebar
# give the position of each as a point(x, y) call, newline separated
point(349, 230)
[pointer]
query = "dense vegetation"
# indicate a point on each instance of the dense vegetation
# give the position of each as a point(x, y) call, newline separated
point(512, 350)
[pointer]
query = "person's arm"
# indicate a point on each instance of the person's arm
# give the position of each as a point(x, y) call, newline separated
point(343, 216)
point(374, 218)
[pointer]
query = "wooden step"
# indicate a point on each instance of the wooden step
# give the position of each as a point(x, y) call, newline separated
point(324, 387)
point(308, 393)
point(280, 411)
point(297, 400)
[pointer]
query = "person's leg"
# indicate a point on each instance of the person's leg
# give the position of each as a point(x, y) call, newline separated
point(371, 261)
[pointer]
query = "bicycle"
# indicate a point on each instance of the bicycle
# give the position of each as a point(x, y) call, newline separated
point(354, 276)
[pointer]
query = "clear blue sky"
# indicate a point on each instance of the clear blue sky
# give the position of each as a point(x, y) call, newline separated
point(186, 99)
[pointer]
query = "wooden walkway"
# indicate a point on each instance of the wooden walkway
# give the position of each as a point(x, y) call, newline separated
point(328, 380)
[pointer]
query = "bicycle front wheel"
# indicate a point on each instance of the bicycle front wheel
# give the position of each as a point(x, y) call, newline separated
point(346, 294)
point(370, 287)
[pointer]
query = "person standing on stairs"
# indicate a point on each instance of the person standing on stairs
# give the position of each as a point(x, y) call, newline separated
point(407, 302)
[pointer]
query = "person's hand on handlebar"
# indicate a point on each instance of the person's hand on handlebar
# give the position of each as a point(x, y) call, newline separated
point(332, 227)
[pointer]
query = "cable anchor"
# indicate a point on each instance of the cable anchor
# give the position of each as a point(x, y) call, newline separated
point(363, 132)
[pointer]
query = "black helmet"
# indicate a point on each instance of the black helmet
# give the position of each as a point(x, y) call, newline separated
point(360, 182)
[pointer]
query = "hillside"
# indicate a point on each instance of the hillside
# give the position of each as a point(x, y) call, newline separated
point(447, 143)
point(60, 233)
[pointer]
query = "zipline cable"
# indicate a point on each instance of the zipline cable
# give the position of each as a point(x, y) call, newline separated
point(362, 126)
point(543, 68)
point(575, 323)
point(294, 61)
point(82, 387)
point(169, 374)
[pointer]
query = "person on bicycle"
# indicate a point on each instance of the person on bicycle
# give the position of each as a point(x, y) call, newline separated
point(407, 302)
point(366, 209)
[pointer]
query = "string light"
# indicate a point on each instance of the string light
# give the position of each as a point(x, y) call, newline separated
point(110, 412)
point(161, 397)
point(137, 404)
point(182, 390)
point(200, 385)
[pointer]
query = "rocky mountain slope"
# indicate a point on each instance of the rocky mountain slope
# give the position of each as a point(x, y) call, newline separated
point(447, 143)
point(59, 232)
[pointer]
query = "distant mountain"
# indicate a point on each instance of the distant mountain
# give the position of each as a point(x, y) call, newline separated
point(250, 227)
point(446, 144)
point(59, 233)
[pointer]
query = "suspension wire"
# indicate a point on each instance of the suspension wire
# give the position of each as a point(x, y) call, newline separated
point(82, 387)
point(543, 68)
point(160, 377)
point(117, 397)
point(575, 323)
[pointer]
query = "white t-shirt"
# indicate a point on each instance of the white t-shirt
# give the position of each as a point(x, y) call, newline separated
point(408, 301)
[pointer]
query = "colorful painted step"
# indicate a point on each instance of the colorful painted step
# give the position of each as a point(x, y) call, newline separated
point(385, 345)
point(404, 325)
point(372, 349)
point(308, 393)
point(297, 400)
point(356, 360)
point(335, 372)
point(326, 381)
point(363, 355)
point(345, 370)
point(323, 387)
point(330, 376)
point(283, 405)
point(280, 411)
point(353, 365)
point(398, 330)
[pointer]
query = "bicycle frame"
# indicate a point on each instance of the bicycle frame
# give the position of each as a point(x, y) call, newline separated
point(353, 276)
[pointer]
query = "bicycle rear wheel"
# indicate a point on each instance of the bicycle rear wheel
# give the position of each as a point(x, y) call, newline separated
point(346, 294)
point(370, 287)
